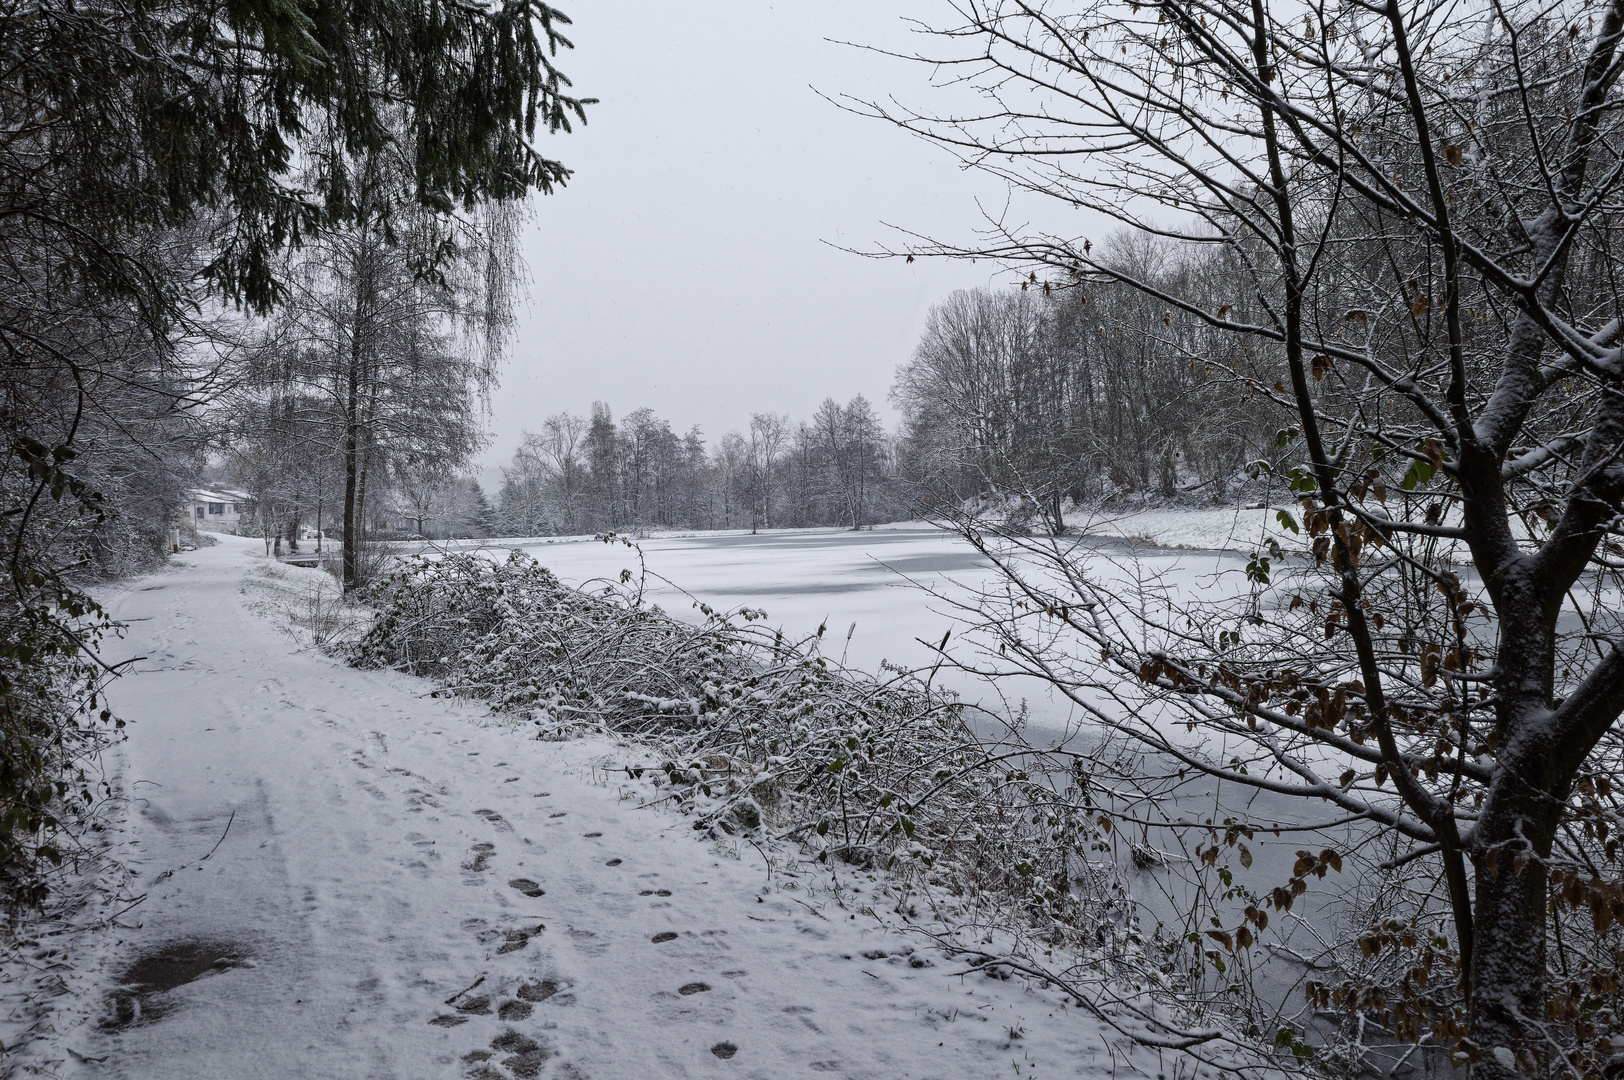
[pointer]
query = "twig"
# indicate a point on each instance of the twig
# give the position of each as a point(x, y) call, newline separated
point(222, 839)
point(465, 989)
point(763, 855)
point(212, 850)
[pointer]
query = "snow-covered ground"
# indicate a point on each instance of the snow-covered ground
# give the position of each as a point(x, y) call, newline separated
point(1224, 528)
point(377, 883)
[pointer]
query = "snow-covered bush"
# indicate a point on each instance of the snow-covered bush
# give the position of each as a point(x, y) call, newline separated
point(751, 726)
point(53, 724)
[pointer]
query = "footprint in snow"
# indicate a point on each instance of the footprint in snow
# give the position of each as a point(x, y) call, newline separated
point(667, 935)
point(495, 819)
point(526, 886)
point(416, 800)
point(538, 991)
point(724, 1050)
point(586, 942)
point(528, 1056)
point(518, 939)
point(481, 859)
point(514, 1010)
point(693, 988)
point(655, 892)
point(590, 835)
point(800, 1013)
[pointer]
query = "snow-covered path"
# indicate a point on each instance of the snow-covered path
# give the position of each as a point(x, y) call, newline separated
point(387, 850)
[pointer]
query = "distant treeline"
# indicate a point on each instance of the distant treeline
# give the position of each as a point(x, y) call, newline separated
point(581, 474)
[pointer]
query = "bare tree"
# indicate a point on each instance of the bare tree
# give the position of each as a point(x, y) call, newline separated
point(396, 361)
point(544, 488)
point(560, 446)
point(768, 433)
point(732, 467)
point(1418, 208)
point(850, 441)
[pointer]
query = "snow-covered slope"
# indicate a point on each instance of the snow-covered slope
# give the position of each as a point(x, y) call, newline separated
point(396, 886)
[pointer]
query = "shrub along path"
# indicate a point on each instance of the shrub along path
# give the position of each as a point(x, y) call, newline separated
point(397, 886)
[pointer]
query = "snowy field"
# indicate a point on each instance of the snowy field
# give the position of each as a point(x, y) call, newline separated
point(328, 873)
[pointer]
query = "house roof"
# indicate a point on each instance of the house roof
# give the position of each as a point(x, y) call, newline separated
point(226, 495)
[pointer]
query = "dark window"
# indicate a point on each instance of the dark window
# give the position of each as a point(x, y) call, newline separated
point(217, 508)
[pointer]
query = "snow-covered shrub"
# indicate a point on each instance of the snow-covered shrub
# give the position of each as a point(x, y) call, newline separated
point(754, 729)
point(53, 724)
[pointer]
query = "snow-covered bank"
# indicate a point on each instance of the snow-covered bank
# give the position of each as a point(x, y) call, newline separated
point(396, 886)
point(1224, 528)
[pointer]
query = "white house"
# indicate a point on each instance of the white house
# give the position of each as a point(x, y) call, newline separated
point(217, 510)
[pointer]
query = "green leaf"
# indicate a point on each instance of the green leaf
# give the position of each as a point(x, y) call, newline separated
point(1420, 471)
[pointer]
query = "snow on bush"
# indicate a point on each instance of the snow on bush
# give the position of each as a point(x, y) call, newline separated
point(757, 732)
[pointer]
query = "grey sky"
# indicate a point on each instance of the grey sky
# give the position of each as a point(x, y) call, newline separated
point(688, 266)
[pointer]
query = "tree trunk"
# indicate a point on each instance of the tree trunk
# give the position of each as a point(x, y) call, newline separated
point(352, 531)
point(361, 502)
point(1507, 982)
point(352, 449)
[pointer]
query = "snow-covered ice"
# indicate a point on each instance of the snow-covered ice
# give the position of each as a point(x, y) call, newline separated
point(400, 886)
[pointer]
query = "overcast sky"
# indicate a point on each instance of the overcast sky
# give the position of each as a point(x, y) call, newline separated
point(690, 266)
